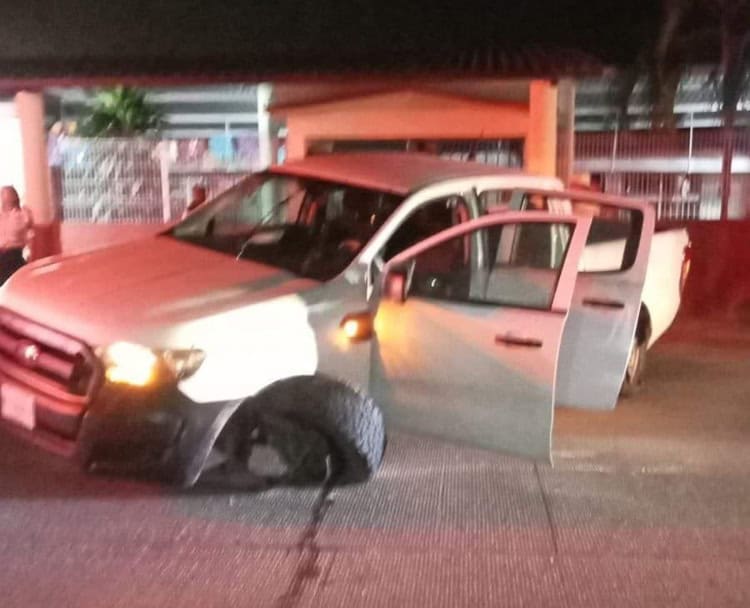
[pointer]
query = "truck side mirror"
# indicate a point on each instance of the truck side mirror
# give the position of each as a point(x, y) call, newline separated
point(394, 285)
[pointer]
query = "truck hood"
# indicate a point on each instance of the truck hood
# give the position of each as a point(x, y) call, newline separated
point(142, 287)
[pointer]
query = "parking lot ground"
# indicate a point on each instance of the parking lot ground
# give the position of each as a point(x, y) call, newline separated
point(648, 505)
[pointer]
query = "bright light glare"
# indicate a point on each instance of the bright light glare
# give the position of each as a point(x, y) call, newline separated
point(351, 328)
point(130, 364)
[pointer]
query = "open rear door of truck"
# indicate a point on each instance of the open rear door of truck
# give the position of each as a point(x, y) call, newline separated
point(607, 298)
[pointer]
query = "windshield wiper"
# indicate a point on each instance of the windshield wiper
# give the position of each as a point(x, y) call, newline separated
point(262, 222)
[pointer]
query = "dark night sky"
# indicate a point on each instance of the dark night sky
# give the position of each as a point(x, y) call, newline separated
point(70, 37)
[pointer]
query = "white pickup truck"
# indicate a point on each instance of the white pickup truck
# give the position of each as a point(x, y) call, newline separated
point(282, 327)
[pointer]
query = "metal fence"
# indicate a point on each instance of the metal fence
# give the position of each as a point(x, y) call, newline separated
point(129, 180)
point(146, 180)
point(679, 171)
point(110, 180)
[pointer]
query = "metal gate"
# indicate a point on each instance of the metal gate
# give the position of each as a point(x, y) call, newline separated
point(130, 180)
point(678, 171)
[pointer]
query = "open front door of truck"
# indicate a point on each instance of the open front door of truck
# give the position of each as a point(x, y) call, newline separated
point(468, 331)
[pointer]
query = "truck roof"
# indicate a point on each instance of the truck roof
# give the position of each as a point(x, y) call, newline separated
point(395, 172)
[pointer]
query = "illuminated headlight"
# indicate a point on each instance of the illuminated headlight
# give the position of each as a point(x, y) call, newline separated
point(136, 365)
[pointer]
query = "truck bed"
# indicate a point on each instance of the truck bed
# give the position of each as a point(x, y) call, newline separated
point(661, 289)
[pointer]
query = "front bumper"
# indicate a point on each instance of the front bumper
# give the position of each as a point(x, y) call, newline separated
point(152, 430)
point(155, 433)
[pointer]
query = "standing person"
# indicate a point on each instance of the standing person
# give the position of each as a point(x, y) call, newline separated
point(15, 231)
point(198, 196)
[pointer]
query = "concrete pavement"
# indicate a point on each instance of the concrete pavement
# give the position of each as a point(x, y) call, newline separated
point(645, 506)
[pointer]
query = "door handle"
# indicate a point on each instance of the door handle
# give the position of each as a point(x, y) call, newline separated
point(510, 340)
point(603, 303)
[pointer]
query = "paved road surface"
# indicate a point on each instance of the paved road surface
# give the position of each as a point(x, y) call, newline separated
point(646, 506)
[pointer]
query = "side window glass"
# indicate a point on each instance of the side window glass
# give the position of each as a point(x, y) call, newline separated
point(614, 237)
point(426, 221)
point(521, 268)
point(615, 233)
point(443, 271)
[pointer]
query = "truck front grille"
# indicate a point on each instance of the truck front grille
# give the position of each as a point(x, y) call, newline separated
point(45, 360)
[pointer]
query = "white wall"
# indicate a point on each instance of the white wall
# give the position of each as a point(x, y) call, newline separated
point(11, 151)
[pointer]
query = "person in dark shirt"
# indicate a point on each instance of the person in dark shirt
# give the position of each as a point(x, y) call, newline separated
point(15, 232)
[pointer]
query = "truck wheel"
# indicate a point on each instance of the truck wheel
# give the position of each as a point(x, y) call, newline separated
point(636, 369)
point(305, 430)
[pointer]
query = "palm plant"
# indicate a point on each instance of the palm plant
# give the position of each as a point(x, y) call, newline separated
point(659, 65)
point(694, 32)
point(733, 78)
point(121, 112)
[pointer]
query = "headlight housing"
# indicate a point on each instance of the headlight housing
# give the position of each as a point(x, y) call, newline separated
point(136, 365)
point(183, 363)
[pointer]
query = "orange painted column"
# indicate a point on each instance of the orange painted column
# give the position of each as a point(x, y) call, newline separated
point(296, 144)
point(540, 149)
point(37, 194)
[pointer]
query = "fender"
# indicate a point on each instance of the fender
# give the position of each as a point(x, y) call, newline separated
point(205, 424)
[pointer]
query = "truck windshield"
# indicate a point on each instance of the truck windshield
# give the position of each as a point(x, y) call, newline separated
point(311, 228)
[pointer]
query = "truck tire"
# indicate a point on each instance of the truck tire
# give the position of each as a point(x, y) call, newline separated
point(322, 430)
point(636, 369)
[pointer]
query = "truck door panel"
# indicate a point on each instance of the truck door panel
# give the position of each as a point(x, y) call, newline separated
point(607, 298)
point(477, 365)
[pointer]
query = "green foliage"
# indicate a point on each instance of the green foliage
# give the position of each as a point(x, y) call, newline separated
point(693, 32)
point(121, 112)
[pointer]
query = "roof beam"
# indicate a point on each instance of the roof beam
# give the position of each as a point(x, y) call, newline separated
point(212, 119)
